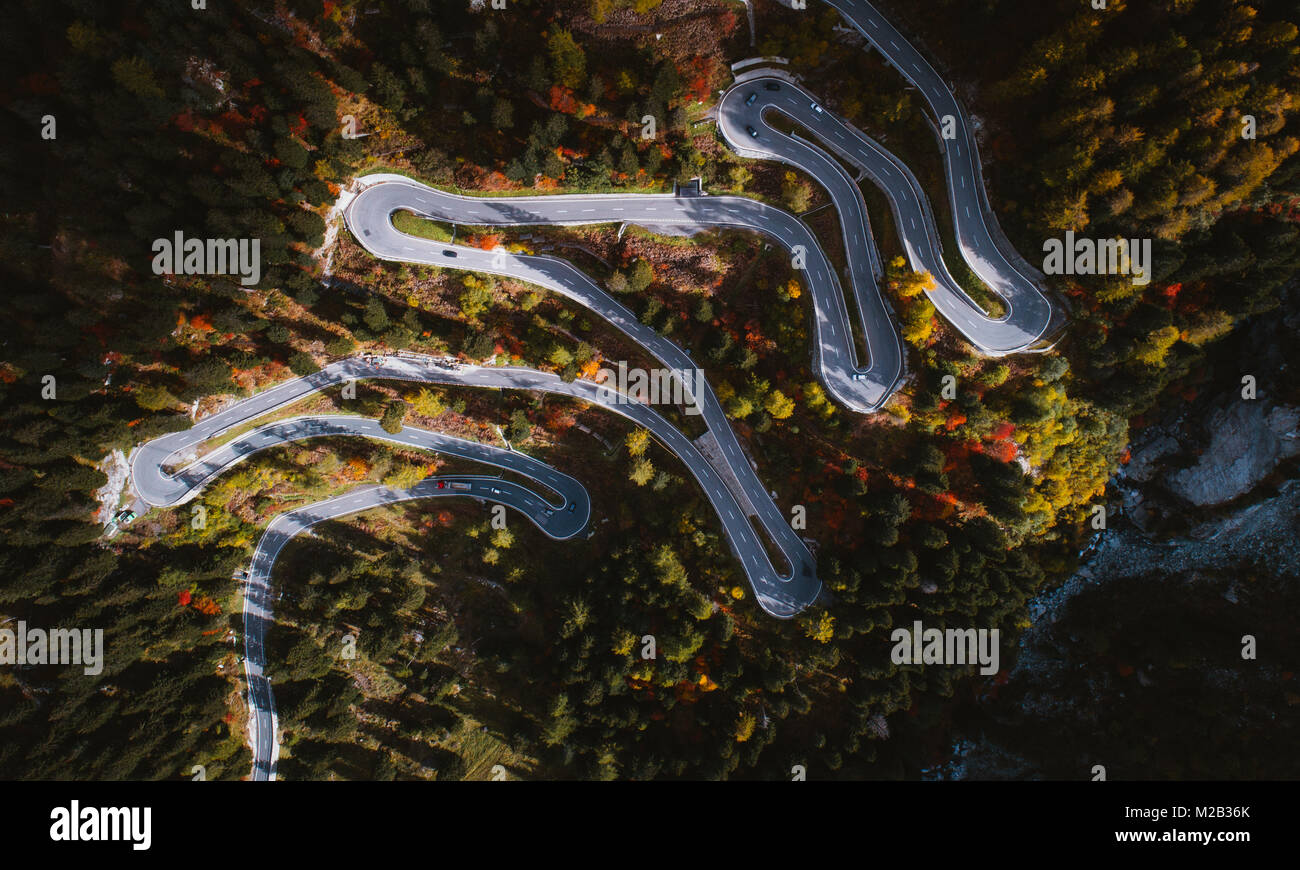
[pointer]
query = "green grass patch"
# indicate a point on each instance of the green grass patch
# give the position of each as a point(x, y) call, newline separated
point(409, 223)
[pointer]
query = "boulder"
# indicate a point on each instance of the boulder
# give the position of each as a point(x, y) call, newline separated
point(1247, 442)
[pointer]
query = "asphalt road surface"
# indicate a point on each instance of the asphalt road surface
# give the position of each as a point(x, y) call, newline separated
point(556, 522)
point(558, 519)
point(746, 113)
point(983, 245)
point(752, 102)
point(781, 594)
point(781, 591)
point(863, 388)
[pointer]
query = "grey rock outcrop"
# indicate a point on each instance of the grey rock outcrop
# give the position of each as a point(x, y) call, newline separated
point(1247, 441)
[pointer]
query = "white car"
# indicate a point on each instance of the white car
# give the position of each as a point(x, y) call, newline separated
point(815, 107)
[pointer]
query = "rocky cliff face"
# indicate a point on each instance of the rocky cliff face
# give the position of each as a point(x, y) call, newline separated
point(1247, 442)
point(1228, 446)
point(1136, 662)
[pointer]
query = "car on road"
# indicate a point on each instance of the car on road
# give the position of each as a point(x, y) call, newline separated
point(496, 491)
point(749, 100)
point(449, 253)
point(752, 132)
point(772, 86)
point(858, 376)
point(571, 507)
point(815, 107)
point(442, 484)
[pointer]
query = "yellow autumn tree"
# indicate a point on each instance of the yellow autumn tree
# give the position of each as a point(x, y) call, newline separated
point(643, 471)
point(821, 629)
point(427, 403)
point(637, 441)
point(778, 405)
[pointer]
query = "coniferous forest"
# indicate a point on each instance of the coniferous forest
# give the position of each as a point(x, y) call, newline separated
point(129, 122)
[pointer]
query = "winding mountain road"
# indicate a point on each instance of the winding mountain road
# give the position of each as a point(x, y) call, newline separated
point(558, 520)
point(981, 240)
point(745, 118)
point(780, 591)
point(781, 594)
point(861, 388)
point(750, 103)
point(557, 523)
